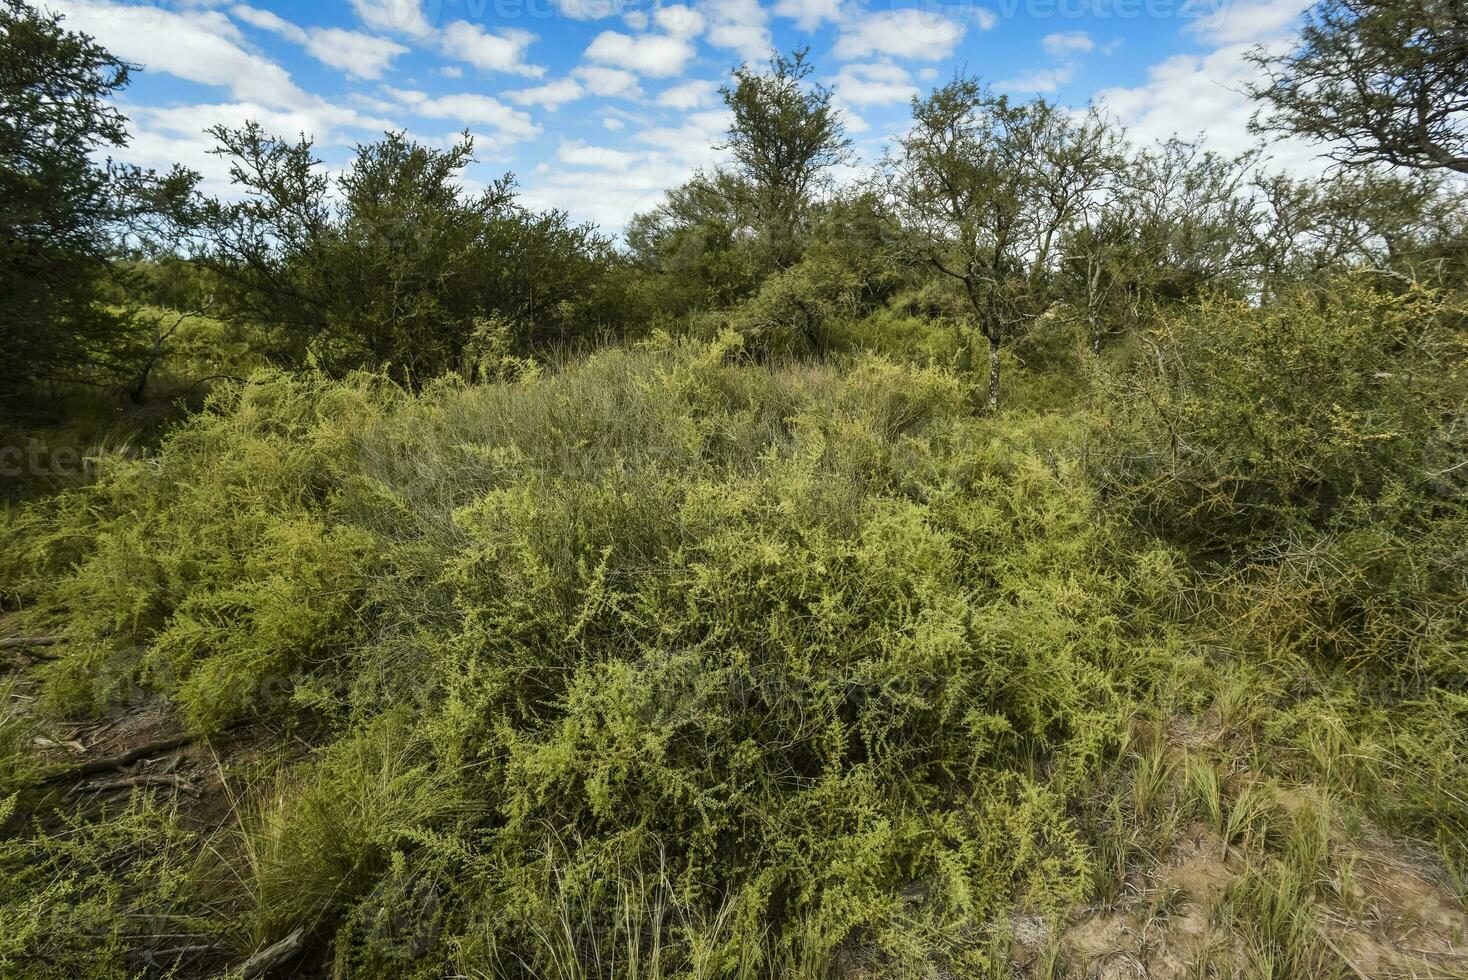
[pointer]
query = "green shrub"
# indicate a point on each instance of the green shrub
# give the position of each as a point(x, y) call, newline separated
point(1241, 421)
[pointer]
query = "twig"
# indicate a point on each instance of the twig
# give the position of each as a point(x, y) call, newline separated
point(148, 779)
point(22, 642)
point(272, 957)
point(157, 747)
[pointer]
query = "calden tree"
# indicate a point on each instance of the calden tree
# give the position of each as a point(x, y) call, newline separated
point(987, 189)
point(785, 137)
point(1378, 81)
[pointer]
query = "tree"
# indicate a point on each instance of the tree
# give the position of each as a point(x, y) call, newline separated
point(1172, 226)
point(785, 136)
point(987, 190)
point(1380, 81)
point(1364, 218)
point(63, 215)
point(395, 267)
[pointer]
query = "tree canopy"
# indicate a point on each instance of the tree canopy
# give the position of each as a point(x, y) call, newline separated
point(1376, 81)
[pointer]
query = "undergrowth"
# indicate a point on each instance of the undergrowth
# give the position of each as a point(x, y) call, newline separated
point(668, 663)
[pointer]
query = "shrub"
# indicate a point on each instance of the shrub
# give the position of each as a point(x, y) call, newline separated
point(1242, 421)
point(815, 645)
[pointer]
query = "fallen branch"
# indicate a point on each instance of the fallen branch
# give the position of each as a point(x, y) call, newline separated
point(147, 779)
point(157, 747)
point(23, 642)
point(274, 957)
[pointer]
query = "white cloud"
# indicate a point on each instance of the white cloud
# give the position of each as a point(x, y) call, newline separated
point(1203, 97)
point(550, 95)
point(740, 26)
point(1042, 80)
point(198, 45)
point(609, 185)
point(689, 95)
point(1248, 20)
point(923, 35)
point(469, 108)
point(504, 51)
point(592, 9)
point(579, 154)
point(612, 124)
point(657, 55)
point(679, 21)
point(696, 140)
point(451, 71)
point(267, 21)
point(809, 14)
point(852, 119)
point(607, 197)
point(882, 83)
point(359, 55)
point(612, 83)
point(1063, 43)
point(405, 17)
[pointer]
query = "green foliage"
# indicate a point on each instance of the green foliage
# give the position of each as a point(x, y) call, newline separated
point(785, 135)
point(1374, 81)
point(332, 829)
point(1307, 410)
point(99, 895)
point(986, 191)
point(391, 266)
point(787, 640)
point(61, 211)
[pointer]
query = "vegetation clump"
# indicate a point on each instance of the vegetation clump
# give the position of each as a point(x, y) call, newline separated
point(1047, 550)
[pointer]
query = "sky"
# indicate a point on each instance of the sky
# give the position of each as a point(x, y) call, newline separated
point(598, 106)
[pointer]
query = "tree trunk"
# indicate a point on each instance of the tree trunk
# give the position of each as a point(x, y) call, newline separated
point(993, 375)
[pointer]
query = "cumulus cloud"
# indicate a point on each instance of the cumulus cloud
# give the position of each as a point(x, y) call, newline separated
point(1248, 20)
point(1200, 97)
point(696, 140)
point(679, 20)
point(403, 17)
point(550, 95)
point(470, 108)
point(881, 83)
point(610, 184)
point(922, 35)
point(594, 9)
point(1063, 43)
point(201, 46)
point(609, 82)
point(740, 26)
point(579, 154)
point(1042, 80)
point(503, 51)
point(809, 14)
point(689, 95)
point(656, 55)
point(359, 55)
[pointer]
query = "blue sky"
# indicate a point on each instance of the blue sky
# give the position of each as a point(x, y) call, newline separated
point(599, 105)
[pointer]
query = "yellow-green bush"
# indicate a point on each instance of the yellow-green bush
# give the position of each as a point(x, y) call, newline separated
point(675, 656)
point(797, 641)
